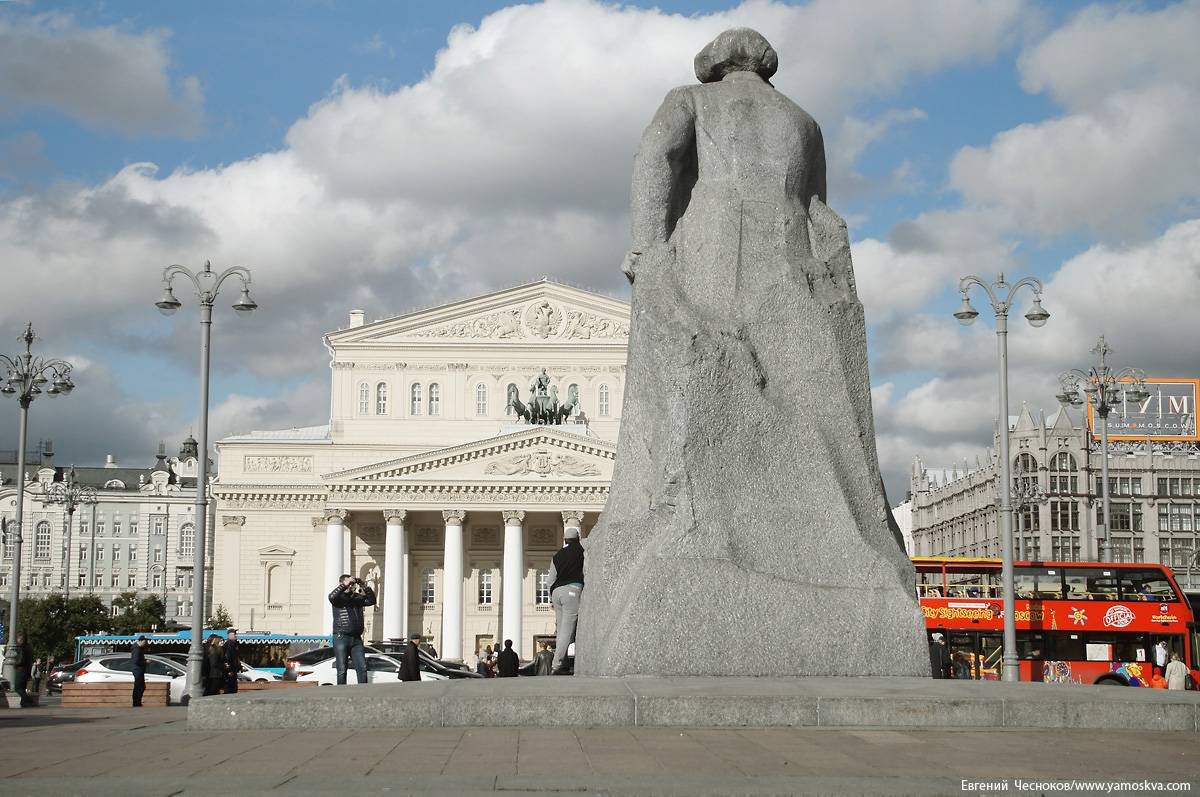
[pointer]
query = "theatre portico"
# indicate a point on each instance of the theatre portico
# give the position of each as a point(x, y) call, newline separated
point(425, 483)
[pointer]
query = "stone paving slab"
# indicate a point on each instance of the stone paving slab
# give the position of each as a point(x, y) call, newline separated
point(101, 752)
point(704, 702)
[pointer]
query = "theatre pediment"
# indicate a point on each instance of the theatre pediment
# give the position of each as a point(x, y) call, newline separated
point(536, 454)
point(543, 311)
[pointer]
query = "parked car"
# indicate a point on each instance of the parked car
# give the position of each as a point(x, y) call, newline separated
point(381, 669)
point(305, 661)
point(62, 674)
point(119, 667)
point(249, 673)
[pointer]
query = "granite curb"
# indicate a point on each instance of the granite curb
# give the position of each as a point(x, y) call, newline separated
point(704, 702)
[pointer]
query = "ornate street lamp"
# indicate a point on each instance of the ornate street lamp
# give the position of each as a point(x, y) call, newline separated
point(1001, 295)
point(1026, 493)
point(1102, 388)
point(206, 283)
point(71, 495)
point(26, 377)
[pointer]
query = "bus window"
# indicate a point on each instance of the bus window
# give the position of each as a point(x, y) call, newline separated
point(1145, 585)
point(1031, 645)
point(1069, 647)
point(1038, 583)
point(1087, 583)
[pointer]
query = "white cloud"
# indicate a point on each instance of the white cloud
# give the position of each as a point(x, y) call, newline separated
point(104, 77)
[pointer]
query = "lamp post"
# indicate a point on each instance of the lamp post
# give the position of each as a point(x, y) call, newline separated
point(1101, 387)
point(206, 283)
point(26, 377)
point(71, 495)
point(1001, 295)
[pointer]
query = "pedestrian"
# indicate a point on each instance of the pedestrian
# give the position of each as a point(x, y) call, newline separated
point(939, 658)
point(545, 660)
point(566, 587)
point(509, 662)
point(137, 663)
point(962, 665)
point(212, 666)
point(233, 662)
point(348, 599)
point(410, 667)
point(1177, 673)
point(1160, 654)
point(21, 670)
point(481, 660)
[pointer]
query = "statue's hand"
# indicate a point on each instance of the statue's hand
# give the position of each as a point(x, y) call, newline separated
point(629, 264)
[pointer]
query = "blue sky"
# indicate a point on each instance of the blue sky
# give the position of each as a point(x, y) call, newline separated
point(393, 155)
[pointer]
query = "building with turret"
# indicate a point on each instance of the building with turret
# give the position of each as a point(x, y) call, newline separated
point(1154, 493)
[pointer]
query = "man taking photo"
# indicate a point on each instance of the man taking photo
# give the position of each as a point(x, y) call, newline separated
point(348, 599)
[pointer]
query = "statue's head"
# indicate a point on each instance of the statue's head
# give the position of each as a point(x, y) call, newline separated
point(736, 50)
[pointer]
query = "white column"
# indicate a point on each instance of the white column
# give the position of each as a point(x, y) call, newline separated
point(452, 585)
point(513, 579)
point(395, 586)
point(335, 546)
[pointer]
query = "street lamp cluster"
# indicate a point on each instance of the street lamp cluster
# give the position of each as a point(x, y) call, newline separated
point(206, 283)
point(26, 377)
point(1103, 388)
point(1001, 295)
point(70, 495)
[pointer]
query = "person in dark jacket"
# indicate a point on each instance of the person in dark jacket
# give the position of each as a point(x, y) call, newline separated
point(212, 667)
point(566, 585)
point(138, 665)
point(21, 670)
point(348, 599)
point(510, 662)
point(410, 669)
point(233, 663)
point(939, 657)
point(545, 660)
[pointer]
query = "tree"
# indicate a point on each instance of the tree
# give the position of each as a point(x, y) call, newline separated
point(51, 624)
point(220, 618)
point(138, 615)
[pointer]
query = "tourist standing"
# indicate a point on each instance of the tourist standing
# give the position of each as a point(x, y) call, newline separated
point(138, 666)
point(1160, 654)
point(1177, 673)
point(233, 663)
point(348, 599)
point(509, 662)
point(410, 668)
point(212, 668)
point(939, 658)
point(566, 585)
point(481, 660)
point(21, 670)
point(545, 660)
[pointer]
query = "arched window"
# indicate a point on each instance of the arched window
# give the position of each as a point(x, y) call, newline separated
point(187, 540)
point(602, 401)
point(508, 392)
point(41, 540)
point(1063, 478)
point(435, 399)
point(415, 399)
point(1025, 469)
point(381, 398)
point(481, 400)
point(364, 399)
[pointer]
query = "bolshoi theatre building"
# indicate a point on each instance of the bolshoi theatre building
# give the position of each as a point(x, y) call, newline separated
point(429, 482)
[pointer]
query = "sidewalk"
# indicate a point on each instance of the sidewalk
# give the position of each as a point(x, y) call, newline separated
point(56, 751)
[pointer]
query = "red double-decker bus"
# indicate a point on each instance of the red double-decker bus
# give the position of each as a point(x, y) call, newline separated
point(1077, 622)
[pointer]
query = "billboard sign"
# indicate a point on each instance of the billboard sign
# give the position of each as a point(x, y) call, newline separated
point(1168, 414)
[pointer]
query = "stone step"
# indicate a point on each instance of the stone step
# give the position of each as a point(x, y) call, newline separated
point(705, 702)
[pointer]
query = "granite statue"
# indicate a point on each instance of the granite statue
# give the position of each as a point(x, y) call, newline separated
point(746, 511)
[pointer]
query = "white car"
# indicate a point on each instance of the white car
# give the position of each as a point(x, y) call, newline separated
point(381, 669)
point(248, 673)
point(119, 667)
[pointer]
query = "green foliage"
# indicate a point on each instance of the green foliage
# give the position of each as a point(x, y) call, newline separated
point(52, 623)
point(220, 618)
point(138, 615)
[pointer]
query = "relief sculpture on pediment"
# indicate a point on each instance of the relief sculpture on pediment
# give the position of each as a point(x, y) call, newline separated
point(585, 326)
point(543, 463)
point(504, 324)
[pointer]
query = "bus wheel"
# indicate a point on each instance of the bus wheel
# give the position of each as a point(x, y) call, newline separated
point(1111, 680)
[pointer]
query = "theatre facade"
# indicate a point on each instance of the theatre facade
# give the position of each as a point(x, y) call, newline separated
point(426, 482)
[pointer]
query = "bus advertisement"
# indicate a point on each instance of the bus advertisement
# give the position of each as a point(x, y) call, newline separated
point(1076, 622)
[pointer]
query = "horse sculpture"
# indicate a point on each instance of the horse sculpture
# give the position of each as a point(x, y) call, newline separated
point(543, 407)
